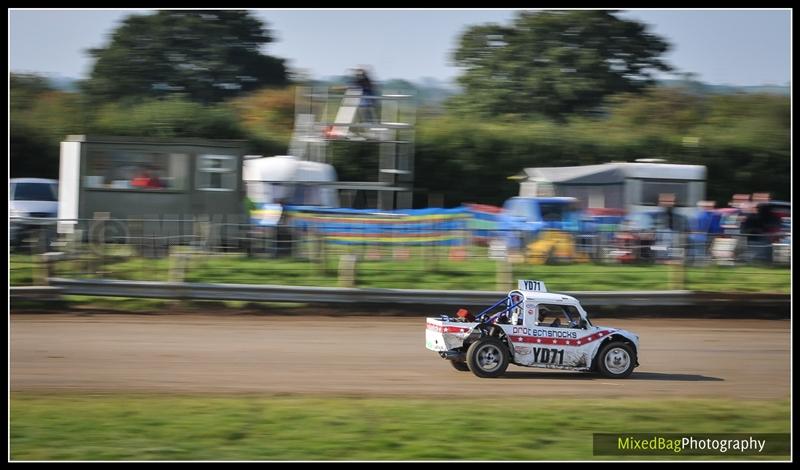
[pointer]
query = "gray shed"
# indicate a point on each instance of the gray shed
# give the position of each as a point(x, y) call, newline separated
point(618, 185)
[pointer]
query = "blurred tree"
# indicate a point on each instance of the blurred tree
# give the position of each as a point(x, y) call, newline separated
point(39, 117)
point(267, 114)
point(207, 55)
point(175, 116)
point(659, 109)
point(555, 63)
point(24, 88)
point(743, 139)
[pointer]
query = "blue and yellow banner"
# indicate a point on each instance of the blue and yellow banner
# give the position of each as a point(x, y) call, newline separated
point(372, 227)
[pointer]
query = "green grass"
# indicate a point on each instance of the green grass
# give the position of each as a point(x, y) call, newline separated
point(23, 270)
point(433, 271)
point(168, 427)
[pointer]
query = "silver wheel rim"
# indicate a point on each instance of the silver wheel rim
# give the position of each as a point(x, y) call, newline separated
point(617, 360)
point(489, 357)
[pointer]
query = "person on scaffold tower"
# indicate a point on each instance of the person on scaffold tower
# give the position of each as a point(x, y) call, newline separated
point(368, 103)
point(359, 106)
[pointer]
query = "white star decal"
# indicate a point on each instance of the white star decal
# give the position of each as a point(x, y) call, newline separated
point(567, 342)
point(579, 342)
point(555, 341)
point(538, 341)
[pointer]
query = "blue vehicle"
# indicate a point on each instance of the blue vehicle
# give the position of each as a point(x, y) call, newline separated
point(524, 218)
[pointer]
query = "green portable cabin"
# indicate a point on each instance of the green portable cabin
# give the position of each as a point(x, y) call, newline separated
point(163, 180)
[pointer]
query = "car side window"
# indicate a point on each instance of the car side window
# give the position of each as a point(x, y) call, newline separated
point(573, 315)
point(558, 316)
point(548, 315)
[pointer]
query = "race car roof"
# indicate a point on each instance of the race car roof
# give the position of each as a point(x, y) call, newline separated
point(540, 297)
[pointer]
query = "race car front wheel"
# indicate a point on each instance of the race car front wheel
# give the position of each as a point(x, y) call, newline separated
point(616, 360)
point(487, 357)
point(460, 366)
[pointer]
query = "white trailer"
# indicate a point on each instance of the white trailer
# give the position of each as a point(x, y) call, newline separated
point(283, 179)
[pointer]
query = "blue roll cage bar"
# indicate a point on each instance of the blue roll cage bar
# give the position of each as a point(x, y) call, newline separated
point(501, 312)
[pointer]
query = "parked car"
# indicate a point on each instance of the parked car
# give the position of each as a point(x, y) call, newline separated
point(32, 212)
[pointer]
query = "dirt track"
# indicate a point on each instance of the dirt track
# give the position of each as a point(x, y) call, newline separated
point(370, 356)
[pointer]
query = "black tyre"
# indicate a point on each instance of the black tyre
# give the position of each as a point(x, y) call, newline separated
point(487, 358)
point(459, 365)
point(616, 360)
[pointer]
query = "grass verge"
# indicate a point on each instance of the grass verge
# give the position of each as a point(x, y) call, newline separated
point(174, 427)
point(419, 272)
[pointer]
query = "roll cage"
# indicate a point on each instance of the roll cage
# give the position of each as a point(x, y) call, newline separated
point(487, 317)
point(508, 303)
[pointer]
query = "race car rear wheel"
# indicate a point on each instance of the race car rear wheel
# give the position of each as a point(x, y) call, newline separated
point(460, 366)
point(616, 360)
point(487, 357)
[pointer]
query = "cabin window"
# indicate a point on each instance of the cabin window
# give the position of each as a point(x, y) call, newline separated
point(135, 170)
point(216, 173)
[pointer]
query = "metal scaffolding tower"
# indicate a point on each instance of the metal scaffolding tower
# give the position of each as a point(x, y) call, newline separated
point(356, 121)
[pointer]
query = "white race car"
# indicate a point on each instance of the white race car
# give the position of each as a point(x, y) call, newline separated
point(531, 327)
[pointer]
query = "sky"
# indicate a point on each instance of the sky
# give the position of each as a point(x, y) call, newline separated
point(725, 47)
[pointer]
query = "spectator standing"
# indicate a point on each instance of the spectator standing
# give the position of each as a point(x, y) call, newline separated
point(368, 103)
